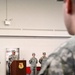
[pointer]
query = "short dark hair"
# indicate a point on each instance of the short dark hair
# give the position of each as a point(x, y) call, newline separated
point(33, 53)
point(65, 0)
point(73, 1)
point(59, 0)
point(44, 53)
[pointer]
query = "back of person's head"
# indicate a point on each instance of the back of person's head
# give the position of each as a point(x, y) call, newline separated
point(69, 15)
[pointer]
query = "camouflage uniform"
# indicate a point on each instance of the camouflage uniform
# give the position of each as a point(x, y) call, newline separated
point(42, 61)
point(33, 62)
point(63, 63)
point(11, 59)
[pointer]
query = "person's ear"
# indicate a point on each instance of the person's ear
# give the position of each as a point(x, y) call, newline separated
point(69, 6)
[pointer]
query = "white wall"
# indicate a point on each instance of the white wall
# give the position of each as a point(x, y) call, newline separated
point(32, 14)
point(32, 18)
